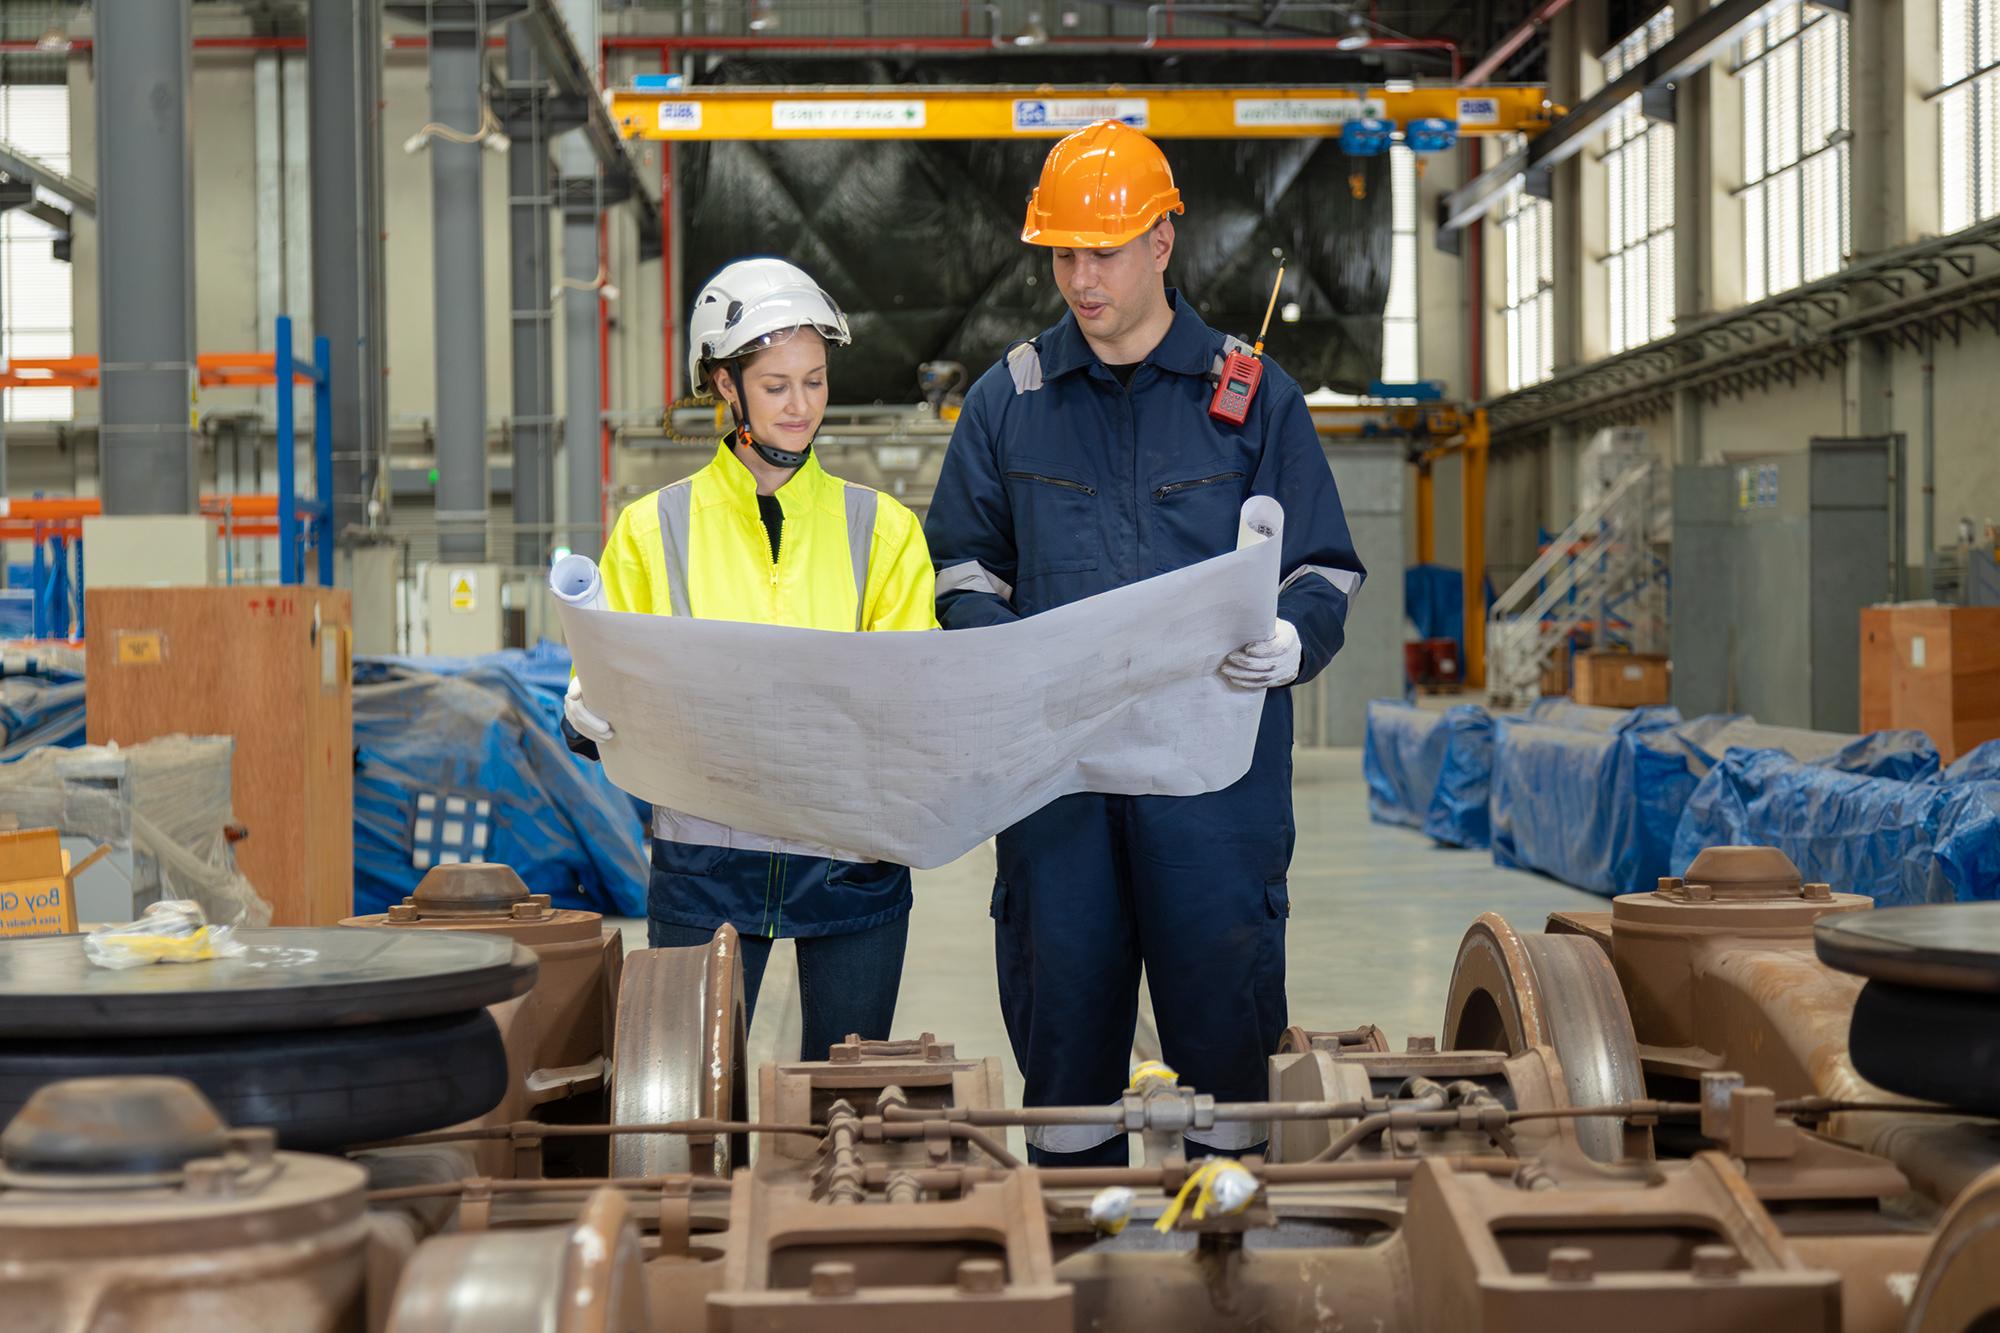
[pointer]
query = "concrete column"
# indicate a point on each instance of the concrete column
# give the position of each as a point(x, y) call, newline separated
point(1875, 110)
point(583, 469)
point(529, 201)
point(145, 231)
point(344, 72)
point(458, 263)
point(1694, 231)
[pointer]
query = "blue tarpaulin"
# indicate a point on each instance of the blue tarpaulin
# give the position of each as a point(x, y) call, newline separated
point(1401, 752)
point(462, 759)
point(1861, 834)
point(1591, 800)
point(1907, 756)
point(1979, 764)
point(1429, 770)
point(1458, 812)
point(1434, 601)
point(40, 704)
point(1968, 841)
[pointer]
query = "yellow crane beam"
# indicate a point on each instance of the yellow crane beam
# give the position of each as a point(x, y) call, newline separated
point(941, 112)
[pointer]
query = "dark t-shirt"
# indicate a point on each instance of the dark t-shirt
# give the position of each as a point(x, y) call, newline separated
point(773, 515)
point(1124, 373)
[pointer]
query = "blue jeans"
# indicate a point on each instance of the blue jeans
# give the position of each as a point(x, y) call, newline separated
point(847, 983)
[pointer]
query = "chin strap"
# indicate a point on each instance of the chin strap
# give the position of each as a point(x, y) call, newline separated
point(776, 457)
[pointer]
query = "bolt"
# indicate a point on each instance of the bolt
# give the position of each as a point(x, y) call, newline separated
point(1715, 1261)
point(981, 1277)
point(258, 1146)
point(1670, 885)
point(1421, 1045)
point(1571, 1263)
point(1699, 893)
point(831, 1279)
point(404, 911)
point(528, 911)
point(1819, 893)
point(209, 1177)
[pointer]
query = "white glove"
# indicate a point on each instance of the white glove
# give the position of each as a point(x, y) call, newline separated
point(1266, 664)
point(587, 724)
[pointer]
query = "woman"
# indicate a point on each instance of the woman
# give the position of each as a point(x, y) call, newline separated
point(763, 534)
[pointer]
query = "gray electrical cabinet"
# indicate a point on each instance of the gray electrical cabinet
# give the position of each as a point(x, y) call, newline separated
point(1333, 709)
point(1774, 558)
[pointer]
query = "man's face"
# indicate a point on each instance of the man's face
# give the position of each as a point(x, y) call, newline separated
point(1111, 292)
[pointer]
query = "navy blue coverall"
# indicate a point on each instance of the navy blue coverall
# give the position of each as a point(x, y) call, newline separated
point(1057, 492)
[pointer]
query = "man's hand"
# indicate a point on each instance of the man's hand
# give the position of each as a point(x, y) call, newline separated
point(1265, 665)
point(588, 724)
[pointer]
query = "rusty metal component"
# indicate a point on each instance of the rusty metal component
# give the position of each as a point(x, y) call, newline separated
point(1297, 1040)
point(1718, 971)
point(1688, 1247)
point(921, 1076)
point(558, 1035)
point(125, 1204)
point(1958, 1291)
point(679, 1056)
point(587, 1278)
point(290, 978)
point(1948, 946)
point(1510, 992)
point(979, 1263)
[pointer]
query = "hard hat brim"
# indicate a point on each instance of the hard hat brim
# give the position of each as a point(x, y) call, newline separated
point(1067, 239)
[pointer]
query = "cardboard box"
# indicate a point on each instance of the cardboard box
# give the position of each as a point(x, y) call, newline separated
point(1935, 669)
point(1620, 680)
point(38, 884)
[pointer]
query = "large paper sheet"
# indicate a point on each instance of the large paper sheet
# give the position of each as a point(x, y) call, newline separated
point(916, 747)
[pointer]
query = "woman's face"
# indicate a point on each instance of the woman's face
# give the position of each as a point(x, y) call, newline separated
point(784, 390)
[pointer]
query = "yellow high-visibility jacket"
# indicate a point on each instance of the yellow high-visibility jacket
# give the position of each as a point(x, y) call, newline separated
point(848, 557)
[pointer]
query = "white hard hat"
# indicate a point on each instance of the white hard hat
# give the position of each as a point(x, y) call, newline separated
point(756, 303)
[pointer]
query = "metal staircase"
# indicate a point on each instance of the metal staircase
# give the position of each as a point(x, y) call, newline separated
point(1605, 571)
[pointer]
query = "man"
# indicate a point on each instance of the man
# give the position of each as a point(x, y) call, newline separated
point(1087, 460)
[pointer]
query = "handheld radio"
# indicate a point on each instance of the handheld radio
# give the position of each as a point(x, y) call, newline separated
point(1243, 371)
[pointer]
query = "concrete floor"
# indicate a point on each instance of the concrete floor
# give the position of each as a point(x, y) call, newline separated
point(1377, 914)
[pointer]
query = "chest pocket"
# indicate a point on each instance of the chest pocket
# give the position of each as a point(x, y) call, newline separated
point(1196, 511)
point(1056, 519)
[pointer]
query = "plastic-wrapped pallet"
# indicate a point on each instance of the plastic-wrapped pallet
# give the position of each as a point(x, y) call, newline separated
point(41, 700)
point(163, 806)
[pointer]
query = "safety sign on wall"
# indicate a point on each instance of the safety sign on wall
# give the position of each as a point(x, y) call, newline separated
point(464, 590)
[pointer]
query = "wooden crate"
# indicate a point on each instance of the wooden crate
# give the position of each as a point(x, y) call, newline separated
point(1935, 669)
point(271, 668)
point(1620, 680)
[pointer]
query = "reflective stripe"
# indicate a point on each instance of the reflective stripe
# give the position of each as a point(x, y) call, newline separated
point(972, 577)
point(1344, 579)
point(1230, 1135)
point(861, 506)
point(676, 503)
point(1071, 1138)
point(1024, 367)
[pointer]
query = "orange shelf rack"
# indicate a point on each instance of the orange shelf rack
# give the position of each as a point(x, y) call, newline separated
point(54, 526)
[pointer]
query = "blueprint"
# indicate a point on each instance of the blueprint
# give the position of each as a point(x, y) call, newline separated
point(917, 747)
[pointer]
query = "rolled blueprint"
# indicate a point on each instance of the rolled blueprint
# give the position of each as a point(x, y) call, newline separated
point(575, 582)
point(1260, 519)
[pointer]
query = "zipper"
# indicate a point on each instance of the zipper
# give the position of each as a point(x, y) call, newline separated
point(1172, 486)
point(776, 554)
point(1063, 482)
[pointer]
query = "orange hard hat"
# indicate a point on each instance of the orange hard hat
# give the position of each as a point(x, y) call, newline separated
point(1102, 186)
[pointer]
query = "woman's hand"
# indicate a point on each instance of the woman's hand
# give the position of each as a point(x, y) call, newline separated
point(586, 723)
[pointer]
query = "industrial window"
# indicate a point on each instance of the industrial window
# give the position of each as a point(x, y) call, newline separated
point(1969, 110)
point(1527, 245)
point(1792, 66)
point(1399, 313)
point(1639, 176)
point(35, 296)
